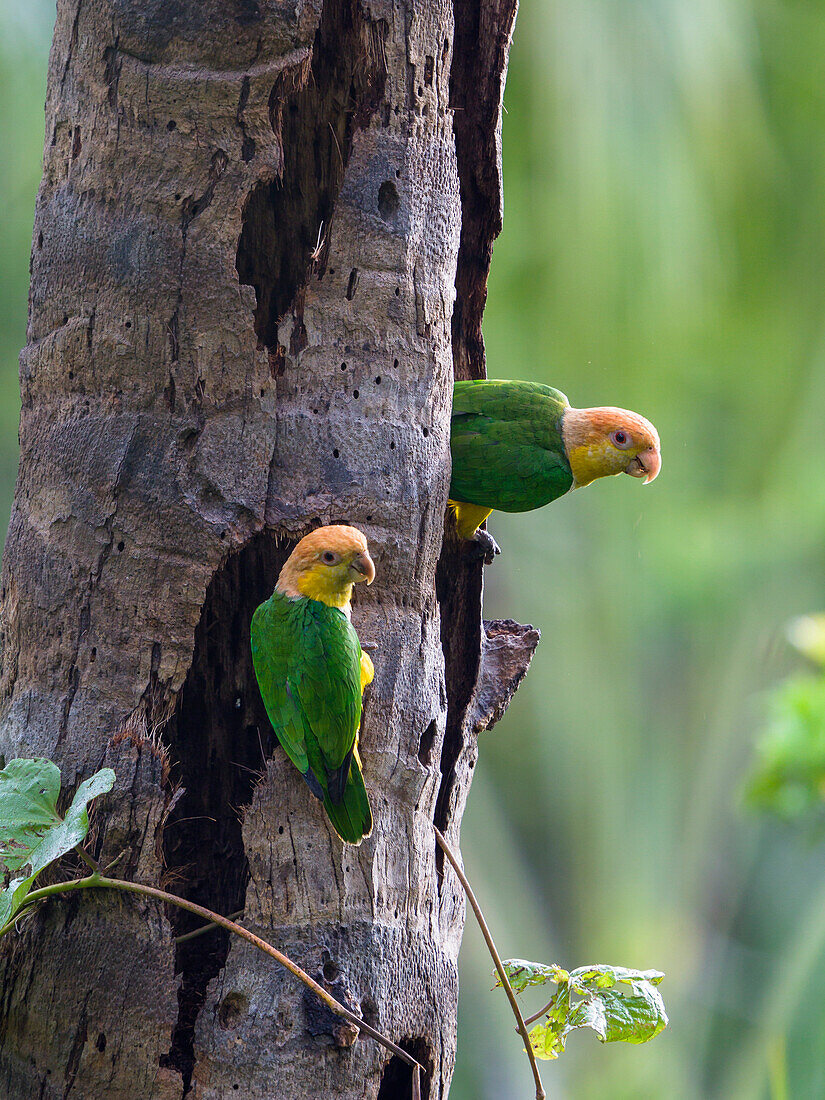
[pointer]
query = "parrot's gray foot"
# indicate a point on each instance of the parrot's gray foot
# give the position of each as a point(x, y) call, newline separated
point(484, 546)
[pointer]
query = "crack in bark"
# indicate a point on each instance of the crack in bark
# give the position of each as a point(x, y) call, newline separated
point(220, 739)
point(483, 29)
point(315, 108)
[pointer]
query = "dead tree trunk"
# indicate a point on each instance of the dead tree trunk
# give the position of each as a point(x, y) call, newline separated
point(261, 243)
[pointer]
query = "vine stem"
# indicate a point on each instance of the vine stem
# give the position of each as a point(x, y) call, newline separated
point(97, 881)
point(532, 1019)
point(491, 947)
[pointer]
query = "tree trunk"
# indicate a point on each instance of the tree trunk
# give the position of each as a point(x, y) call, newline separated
point(261, 244)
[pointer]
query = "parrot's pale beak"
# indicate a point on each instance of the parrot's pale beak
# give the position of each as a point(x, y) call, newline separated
point(363, 565)
point(646, 464)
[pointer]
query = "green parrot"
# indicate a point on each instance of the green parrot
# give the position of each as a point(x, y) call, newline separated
point(312, 673)
point(519, 445)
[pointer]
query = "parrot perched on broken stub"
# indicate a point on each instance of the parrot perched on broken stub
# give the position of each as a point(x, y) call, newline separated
point(519, 445)
point(312, 672)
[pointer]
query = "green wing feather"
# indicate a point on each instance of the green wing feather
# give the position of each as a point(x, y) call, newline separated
point(507, 447)
point(307, 663)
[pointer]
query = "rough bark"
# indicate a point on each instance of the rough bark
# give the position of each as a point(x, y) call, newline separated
point(253, 223)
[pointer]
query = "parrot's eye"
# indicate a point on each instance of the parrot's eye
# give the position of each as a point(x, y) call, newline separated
point(620, 438)
point(328, 558)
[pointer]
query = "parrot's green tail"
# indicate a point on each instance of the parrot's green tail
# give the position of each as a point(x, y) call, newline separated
point(351, 817)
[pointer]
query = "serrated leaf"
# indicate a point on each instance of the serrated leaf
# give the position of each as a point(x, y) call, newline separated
point(618, 1003)
point(547, 1040)
point(603, 976)
point(32, 833)
point(523, 974)
point(634, 1017)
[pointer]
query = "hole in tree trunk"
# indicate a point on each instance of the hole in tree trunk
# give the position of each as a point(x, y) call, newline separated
point(219, 739)
point(314, 113)
point(396, 1080)
point(458, 582)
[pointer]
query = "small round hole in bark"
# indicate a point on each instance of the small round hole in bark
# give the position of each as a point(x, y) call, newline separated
point(177, 196)
point(395, 364)
point(392, 444)
point(336, 453)
point(39, 240)
point(378, 380)
point(223, 535)
point(121, 546)
point(388, 201)
point(398, 292)
point(231, 1009)
point(100, 1042)
point(356, 394)
point(128, 324)
point(93, 654)
point(71, 374)
point(171, 125)
point(343, 366)
point(425, 432)
point(280, 830)
point(331, 971)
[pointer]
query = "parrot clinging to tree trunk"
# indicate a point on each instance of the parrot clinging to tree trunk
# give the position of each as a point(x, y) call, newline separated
point(518, 445)
point(312, 673)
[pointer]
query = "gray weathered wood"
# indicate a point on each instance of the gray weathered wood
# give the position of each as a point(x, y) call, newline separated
point(252, 225)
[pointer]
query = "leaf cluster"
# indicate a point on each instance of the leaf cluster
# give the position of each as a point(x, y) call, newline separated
point(788, 777)
point(618, 1004)
point(32, 832)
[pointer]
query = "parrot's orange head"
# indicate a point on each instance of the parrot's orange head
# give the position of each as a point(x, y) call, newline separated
point(606, 441)
point(326, 564)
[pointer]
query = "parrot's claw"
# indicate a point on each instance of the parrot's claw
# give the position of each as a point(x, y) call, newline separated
point(484, 546)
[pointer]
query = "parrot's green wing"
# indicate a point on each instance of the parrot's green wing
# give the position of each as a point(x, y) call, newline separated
point(307, 662)
point(507, 447)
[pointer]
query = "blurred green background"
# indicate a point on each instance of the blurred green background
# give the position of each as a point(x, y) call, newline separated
point(663, 250)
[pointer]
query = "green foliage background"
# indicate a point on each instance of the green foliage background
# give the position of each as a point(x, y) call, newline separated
point(663, 250)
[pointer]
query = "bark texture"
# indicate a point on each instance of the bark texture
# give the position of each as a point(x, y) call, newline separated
point(260, 250)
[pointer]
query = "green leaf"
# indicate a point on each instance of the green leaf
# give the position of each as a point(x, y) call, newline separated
point(619, 1004)
point(32, 833)
point(634, 1017)
point(547, 1040)
point(788, 779)
point(601, 976)
point(523, 974)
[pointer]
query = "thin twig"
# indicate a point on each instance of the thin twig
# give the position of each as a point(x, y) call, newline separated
point(187, 936)
point(532, 1019)
point(114, 862)
point(90, 861)
point(491, 947)
point(97, 881)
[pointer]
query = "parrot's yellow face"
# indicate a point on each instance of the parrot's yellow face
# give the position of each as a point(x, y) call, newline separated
point(326, 564)
point(606, 441)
